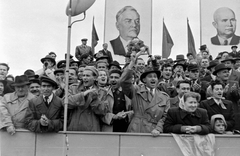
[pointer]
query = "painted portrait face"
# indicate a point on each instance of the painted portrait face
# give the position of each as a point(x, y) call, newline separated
point(128, 24)
point(225, 22)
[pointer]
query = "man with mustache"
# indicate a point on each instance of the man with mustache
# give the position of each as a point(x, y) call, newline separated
point(34, 87)
point(119, 105)
point(225, 24)
point(128, 25)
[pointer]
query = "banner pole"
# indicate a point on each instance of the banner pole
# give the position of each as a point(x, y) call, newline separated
point(67, 67)
point(200, 15)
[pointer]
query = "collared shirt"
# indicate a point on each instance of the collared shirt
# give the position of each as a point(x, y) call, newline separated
point(153, 90)
point(230, 72)
point(125, 43)
point(49, 98)
point(221, 40)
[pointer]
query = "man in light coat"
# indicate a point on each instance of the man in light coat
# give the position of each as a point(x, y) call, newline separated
point(150, 105)
point(14, 105)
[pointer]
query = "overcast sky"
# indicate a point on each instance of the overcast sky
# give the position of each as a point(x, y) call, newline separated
point(32, 28)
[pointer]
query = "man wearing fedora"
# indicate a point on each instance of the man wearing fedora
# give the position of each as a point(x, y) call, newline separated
point(114, 65)
point(150, 105)
point(83, 49)
point(48, 67)
point(211, 69)
point(233, 74)
point(14, 105)
point(46, 112)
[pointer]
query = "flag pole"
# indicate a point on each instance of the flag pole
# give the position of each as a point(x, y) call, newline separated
point(67, 67)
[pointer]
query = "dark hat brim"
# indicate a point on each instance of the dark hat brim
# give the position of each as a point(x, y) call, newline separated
point(148, 72)
point(58, 71)
point(20, 84)
point(232, 60)
point(50, 58)
point(216, 71)
point(179, 64)
point(48, 80)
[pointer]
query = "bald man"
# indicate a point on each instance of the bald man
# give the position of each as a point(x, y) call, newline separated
point(225, 24)
point(128, 25)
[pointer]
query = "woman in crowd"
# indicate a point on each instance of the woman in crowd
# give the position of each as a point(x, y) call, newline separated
point(188, 120)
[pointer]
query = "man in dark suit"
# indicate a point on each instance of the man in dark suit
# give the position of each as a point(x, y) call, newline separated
point(225, 24)
point(45, 112)
point(217, 105)
point(82, 49)
point(128, 25)
point(105, 52)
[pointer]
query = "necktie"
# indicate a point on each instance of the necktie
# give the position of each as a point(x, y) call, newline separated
point(151, 94)
point(46, 101)
point(225, 42)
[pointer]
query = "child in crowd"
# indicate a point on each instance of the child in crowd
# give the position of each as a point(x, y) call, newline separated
point(219, 125)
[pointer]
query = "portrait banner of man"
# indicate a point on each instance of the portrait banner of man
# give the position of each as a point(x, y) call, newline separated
point(220, 24)
point(124, 21)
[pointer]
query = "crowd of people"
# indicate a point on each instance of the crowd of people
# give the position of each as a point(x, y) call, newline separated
point(197, 95)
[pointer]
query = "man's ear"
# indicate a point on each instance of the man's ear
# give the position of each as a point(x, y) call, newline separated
point(144, 80)
point(214, 24)
point(117, 25)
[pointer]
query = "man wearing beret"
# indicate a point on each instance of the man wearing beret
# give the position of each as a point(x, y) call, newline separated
point(119, 105)
point(46, 112)
point(150, 105)
point(82, 49)
point(13, 106)
point(86, 102)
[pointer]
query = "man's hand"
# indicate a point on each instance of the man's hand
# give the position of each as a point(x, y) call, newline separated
point(89, 91)
point(155, 132)
point(120, 115)
point(11, 130)
point(44, 120)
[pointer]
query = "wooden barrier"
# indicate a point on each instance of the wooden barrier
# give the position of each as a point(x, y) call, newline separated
point(25, 143)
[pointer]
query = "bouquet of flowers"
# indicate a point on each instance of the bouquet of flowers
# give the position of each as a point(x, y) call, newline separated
point(137, 45)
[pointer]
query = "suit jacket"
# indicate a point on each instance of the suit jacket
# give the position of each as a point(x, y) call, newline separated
point(55, 113)
point(109, 54)
point(177, 117)
point(235, 76)
point(174, 102)
point(80, 50)
point(234, 41)
point(117, 46)
point(213, 108)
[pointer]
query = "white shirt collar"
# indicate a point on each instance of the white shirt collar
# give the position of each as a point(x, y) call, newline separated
point(49, 98)
point(125, 43)
point(221, 40)
point(152, 90)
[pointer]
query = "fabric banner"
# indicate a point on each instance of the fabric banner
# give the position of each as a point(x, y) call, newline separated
point(191, 43)
point(94, 37)
point(220, 22)
point(196, 145)
point(167, 42)
point(125, 20)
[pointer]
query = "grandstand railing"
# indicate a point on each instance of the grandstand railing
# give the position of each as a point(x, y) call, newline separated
point(25, 143)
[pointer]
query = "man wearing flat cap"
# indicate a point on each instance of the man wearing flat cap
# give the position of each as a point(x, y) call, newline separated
point(13, 106)
point(234, 52)
point(150, 105)
point(85, 103)
point(45, 113)
point(82, 49)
